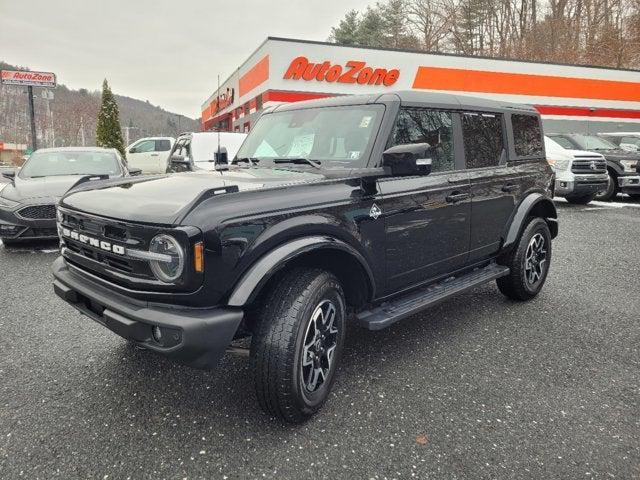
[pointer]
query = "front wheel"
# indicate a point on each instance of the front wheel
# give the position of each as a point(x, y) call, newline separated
point(611, 191)
point(528, 262)
point(298, 343)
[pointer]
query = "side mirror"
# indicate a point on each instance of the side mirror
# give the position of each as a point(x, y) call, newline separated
point(135, 171)
point(133, 150)
point(221, 156)
point(10, 174)
point(178, 163)
point(407, 160)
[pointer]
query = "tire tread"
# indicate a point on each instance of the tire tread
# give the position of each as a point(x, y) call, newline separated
point(273, 345)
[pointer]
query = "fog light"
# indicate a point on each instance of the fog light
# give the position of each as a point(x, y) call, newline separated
point(157, 334)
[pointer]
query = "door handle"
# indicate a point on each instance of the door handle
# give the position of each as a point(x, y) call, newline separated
point(456, 197)
point(509, 187)
point(154, 154)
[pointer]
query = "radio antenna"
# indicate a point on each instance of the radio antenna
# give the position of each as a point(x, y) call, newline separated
point(217, 155)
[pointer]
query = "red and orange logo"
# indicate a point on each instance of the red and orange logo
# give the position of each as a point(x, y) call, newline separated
point(352, 72)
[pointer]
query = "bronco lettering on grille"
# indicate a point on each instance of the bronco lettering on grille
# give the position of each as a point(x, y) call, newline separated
point(94, 242)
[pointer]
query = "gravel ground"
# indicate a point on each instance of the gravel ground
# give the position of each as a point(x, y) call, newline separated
point(479, 387)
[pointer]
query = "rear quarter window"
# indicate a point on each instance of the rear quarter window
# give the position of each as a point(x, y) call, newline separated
point(527, 135)
point(163, 145)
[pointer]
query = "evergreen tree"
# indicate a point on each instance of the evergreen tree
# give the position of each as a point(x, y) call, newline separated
point(108, 131)
point(346, 33)
point(372, 29)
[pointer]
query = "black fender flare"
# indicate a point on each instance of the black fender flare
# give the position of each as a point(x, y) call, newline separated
point(252, 281)
point(615, 166)
point(544, 207)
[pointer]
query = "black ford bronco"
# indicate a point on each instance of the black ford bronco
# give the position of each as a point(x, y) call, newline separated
point(364, 208)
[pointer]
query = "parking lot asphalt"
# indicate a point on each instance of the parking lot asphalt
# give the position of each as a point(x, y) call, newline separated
point(479, 387)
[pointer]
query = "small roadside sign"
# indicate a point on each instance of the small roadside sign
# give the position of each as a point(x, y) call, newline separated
point(28, 79)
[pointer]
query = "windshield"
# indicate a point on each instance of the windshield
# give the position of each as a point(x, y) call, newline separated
point(70, 162)
point(334, 137)
point(591, 142)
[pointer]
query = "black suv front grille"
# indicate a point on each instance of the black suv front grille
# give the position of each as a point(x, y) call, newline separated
point(90, 254)
point(38, 212)
point(592, 165)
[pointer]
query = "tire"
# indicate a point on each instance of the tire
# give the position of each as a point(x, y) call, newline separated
point(291, 381)
point(611, 191)
point(582, 200)
point(526, 279)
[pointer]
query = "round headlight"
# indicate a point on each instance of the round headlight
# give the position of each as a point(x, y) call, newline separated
point(169, 268)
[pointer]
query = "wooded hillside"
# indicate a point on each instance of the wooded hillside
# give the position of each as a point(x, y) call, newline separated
point(70, 117)
point(588, 32)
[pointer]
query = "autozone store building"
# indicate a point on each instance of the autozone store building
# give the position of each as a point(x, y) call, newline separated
point(569, 98)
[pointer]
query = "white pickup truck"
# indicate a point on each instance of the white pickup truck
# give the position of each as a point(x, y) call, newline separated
point(197, 150)
point(150, 154)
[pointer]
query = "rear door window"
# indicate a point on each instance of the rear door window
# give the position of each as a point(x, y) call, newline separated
point(483, 135)
point(163, 145)
point(527, 135)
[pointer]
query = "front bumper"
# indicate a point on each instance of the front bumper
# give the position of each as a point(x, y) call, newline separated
point(629, 183)
point(14, 227)
point(580, 185)
point(195, 337)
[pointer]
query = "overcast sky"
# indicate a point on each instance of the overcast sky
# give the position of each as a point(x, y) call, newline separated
point(167, 52)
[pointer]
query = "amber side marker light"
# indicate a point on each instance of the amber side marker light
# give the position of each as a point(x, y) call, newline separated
point(198, 257)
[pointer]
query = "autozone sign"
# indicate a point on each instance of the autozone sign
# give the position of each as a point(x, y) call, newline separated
point(30, 79)
point(353, 71)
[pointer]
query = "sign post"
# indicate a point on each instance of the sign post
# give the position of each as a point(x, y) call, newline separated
point(32, 119)
point(29, 80)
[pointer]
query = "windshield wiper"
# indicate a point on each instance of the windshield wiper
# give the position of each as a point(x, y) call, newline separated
point(251, 160)
point(298, 161)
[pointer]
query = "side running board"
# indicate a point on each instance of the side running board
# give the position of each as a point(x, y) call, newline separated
point(400, 308)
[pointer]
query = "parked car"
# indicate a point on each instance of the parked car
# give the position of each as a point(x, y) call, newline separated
point(580, 175)
point(623, 167)
point(198, 150)
point(629, 141)
point(150, 154)
point(377, 205)
point(28, 200)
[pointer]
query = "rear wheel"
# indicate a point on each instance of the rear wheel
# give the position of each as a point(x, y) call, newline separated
point(581, 200)
point(528, 262)
point(298, 343)
point(611, 191)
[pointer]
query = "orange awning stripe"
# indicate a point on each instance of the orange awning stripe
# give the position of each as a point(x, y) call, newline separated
point(454, 79)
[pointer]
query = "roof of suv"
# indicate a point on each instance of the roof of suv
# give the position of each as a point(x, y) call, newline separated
point(411, 97)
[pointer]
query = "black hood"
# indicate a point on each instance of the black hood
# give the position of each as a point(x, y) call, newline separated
point(164, 199)
point(25, 189)
point(617, 155)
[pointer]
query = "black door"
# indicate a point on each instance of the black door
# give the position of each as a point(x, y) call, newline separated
point(494, 184)
point(427, 218)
